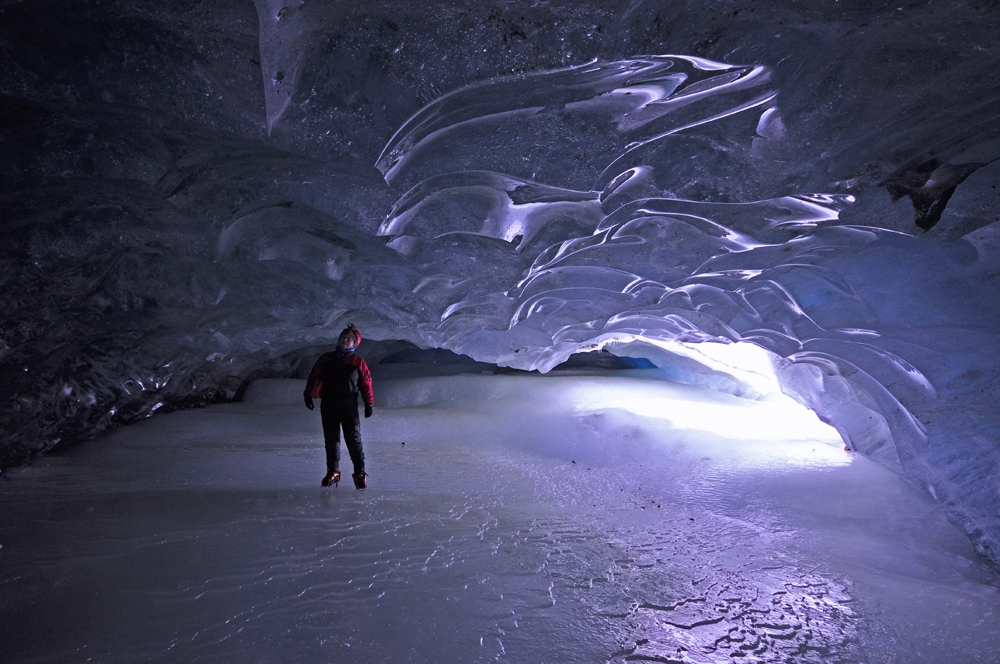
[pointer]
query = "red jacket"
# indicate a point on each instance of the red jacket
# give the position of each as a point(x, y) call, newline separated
point(340, 375)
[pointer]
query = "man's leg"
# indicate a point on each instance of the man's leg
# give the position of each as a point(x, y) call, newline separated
point(331, 434)
point(352, 436)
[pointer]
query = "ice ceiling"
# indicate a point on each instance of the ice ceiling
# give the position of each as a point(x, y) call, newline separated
point(198, 194)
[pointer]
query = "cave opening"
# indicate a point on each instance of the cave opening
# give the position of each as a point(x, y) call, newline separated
point(683, 321)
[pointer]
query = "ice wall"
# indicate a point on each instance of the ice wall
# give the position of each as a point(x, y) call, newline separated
point(191, 200)
point(865, 325)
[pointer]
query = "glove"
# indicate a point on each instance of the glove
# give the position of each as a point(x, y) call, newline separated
point(368, 410)
point(309, 401)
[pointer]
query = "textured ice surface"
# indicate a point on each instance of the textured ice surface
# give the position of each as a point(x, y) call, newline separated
point(525, 519)
point(192, 197)
point(604, 115)
point(852, 315)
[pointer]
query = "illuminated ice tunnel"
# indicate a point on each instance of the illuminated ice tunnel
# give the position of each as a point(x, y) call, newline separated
point(199, 195)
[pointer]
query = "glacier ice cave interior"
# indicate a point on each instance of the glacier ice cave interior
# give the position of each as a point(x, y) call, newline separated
point(682, 317)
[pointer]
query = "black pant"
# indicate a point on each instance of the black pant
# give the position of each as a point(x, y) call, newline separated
point(342, 413)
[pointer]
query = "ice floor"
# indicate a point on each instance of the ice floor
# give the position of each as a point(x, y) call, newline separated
point(525, 519)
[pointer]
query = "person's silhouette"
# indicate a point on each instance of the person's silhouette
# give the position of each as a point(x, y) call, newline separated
point(336, 379)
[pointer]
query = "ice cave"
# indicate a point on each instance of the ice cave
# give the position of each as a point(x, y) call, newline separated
point(682, 319)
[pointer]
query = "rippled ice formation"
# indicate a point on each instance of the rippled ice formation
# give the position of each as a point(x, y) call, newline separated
point(622, 205)
point(524, 519)
point(873, 329)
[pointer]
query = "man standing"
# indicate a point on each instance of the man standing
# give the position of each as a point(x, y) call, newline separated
point(336, 379)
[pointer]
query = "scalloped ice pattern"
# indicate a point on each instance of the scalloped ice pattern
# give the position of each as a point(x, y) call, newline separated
point(160, 249)
point(521, 266)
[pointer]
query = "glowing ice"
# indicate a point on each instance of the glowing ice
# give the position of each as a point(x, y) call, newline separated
point(510, 249)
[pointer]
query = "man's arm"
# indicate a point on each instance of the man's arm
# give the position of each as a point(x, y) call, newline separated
point(365, 386)
point(313, 382)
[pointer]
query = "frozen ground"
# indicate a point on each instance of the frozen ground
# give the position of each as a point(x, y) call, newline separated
point(525, 519)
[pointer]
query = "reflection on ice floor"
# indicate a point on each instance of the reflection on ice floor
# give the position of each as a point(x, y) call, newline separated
point(527, 523)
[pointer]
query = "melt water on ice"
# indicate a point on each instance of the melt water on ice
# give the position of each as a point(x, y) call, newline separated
point(522, 518)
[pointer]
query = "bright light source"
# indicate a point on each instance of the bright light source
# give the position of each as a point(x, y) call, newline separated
point(772, 431)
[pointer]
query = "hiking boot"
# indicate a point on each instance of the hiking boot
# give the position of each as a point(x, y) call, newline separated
point(360, 481)
point(332, 477)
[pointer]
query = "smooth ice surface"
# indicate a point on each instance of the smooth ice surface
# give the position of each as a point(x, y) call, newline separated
point(526, 518)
